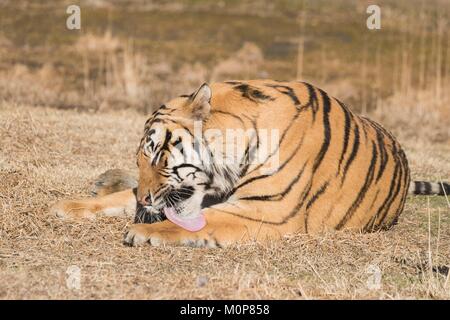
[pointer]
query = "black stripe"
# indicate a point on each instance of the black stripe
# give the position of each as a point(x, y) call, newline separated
point(285, 219)
point(184, 128)
point(427, 187)
point(364, 128)
point(417, 187)
point(245, 162)
point(383, 154)
point(280, 195)
point(406, 181)
point(231, 115)
point(157, 120)
point(252, 93)
point(369, 225)
point(322, 152)
point(396, 193)
point(313, 102)
point(286, 90)
point(327, 130)
point(347, 127)
point(311, 202)
point(362, 191)
point(353, 153)
point(244, 127)
point(250, 151)
point(390, 195)
point(167, 138)
point(158, 113)
point(278, 169)
point(283, 135)
point(300, 202)
point(324, 147)
point(444, 189)
point(395, 183)
point(163, 148)
point(255, 128)
point(380, 133)
point(317, 195)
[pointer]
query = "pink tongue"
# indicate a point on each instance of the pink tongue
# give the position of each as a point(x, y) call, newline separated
point(191, 224)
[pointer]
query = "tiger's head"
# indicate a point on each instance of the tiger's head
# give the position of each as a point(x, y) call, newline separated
point(176, 166)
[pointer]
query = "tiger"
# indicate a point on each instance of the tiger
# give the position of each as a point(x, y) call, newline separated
point(334, 169)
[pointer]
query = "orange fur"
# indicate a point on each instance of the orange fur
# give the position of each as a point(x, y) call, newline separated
point(337, 170)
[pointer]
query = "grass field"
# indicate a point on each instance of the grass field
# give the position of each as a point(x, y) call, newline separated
point(73, 104)
point(50, 154)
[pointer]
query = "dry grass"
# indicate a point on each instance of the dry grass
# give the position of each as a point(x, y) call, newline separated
point(127, 61)
point(48, 154)
point(113, 75)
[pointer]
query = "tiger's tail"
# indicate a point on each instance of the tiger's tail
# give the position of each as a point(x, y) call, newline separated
point(114, 180)
point(429, 188)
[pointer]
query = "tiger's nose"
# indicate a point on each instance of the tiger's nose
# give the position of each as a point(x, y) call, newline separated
point(146, 200)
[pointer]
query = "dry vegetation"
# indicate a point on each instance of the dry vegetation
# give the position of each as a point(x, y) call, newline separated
point(74, 105)
point(49, 154)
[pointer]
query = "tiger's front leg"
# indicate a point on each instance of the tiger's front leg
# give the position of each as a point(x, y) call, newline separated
point(224, 226)
point(122, 203)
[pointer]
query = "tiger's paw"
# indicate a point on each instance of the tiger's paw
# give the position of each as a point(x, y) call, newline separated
point(140, 234)
point(70, 209)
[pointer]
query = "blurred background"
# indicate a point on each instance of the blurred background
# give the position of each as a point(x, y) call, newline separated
point(139, 53)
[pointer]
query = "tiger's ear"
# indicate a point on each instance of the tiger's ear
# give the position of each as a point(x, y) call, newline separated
point(200, 106)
